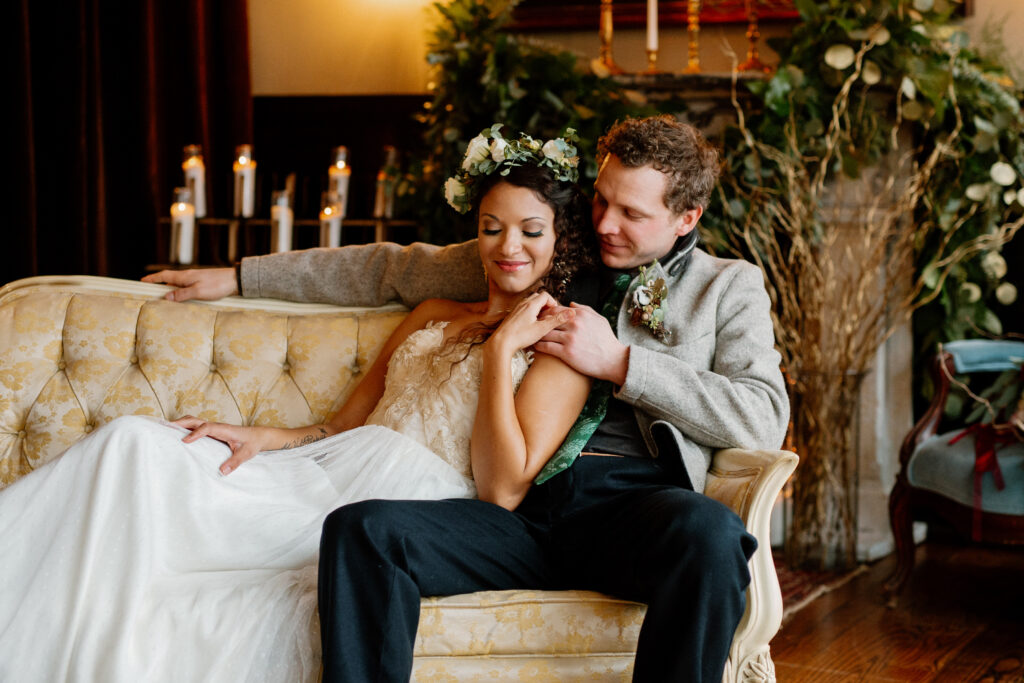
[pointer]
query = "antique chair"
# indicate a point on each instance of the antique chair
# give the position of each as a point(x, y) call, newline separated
point(956, 480)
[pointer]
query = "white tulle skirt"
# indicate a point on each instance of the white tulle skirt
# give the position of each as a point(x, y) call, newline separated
point(130, 558)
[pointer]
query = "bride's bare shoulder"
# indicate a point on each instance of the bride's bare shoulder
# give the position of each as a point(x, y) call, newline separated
point(444, 310)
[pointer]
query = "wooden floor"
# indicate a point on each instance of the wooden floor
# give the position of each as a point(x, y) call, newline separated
point(961, 618)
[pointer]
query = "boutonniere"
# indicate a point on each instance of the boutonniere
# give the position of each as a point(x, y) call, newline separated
point(647, 303)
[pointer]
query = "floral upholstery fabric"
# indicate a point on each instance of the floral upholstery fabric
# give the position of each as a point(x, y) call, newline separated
point(77, 352)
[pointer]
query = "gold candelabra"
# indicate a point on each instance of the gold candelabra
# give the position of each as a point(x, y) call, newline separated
point(753, 62)
point(693, 33)
point(606, 38)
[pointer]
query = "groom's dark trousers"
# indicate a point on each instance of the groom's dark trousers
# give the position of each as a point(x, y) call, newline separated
point(618, 525)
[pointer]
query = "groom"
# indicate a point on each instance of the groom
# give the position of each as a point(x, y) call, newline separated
point(626, 516)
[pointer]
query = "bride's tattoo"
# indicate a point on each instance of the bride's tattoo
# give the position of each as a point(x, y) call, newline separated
point(309, 438)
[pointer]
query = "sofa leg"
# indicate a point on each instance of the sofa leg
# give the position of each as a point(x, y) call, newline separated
point(903, 534)
point(756, 667)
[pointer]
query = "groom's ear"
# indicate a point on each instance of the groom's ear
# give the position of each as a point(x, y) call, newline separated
point(688, 221)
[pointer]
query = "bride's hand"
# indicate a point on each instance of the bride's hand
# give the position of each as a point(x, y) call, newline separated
point(244, 442)
point(530, 320)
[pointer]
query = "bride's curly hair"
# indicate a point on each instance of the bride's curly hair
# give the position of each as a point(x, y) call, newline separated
point(576, 248)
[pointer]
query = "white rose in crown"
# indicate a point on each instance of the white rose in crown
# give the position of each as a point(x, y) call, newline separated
point(552, 150)
point(498, 146)
point(477, 151)
point(642, 296)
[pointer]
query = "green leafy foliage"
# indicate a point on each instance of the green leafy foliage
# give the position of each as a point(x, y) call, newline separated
point(917, 71)
point(485, 74)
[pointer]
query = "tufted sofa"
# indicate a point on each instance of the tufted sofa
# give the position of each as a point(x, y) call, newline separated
point(76, 352)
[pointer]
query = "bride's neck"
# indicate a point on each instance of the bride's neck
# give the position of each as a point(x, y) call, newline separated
point(499, 304)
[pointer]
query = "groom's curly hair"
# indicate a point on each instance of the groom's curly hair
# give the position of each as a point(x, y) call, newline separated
point(668, 145)
point(576, 248)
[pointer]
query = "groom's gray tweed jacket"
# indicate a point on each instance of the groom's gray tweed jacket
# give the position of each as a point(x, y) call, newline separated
point(715, 383)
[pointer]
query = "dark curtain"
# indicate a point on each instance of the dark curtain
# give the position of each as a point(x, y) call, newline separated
point(105, 95)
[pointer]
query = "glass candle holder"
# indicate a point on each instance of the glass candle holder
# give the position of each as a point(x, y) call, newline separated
point(183, 228)
point(330, 220)
point(245, 181)
point(195, 177)
point(338, 175)
point(281, 222)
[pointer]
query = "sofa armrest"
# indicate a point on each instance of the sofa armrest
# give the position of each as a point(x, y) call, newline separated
point(749, 482)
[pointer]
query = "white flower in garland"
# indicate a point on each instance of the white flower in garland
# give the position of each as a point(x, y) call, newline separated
point(1006, 293)
point(839, 56)
point(1003, 173)
point(490, 152)
point(994, 265)
point(977, 191)
point(970, 292)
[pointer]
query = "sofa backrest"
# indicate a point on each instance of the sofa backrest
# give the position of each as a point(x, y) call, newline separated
point(77, 352)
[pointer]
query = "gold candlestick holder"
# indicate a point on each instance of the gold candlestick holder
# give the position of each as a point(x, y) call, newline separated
point(652, 62)
point(693, 32)
point(606, 30)
point(753, 62)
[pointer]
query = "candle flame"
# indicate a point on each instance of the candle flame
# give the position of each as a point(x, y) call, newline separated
point(328, 211)
point(340, 164)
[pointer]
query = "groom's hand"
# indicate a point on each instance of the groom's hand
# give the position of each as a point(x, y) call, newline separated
point(588, 344)
point(197, 283)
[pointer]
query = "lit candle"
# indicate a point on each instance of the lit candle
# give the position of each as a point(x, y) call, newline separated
point(330, 221)
point(195, 177)
point(337, 179)
point(245, 181)
point(652, 25)
point(183, 227)
point(281, 219)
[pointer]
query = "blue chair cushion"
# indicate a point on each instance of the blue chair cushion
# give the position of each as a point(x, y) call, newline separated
point(949, 471)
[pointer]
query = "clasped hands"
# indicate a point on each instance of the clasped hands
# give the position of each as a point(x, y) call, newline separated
point(576, 334)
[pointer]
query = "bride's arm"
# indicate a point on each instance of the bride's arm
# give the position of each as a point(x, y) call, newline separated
point(515, 433)
point(245, 442)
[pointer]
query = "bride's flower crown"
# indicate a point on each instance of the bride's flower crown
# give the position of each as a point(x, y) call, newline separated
point(489, 153)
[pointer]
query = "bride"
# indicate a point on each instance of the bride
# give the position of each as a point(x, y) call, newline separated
point(187, 551)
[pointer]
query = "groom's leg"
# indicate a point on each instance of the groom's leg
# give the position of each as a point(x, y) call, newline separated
point(378, 557)
point(635, 535)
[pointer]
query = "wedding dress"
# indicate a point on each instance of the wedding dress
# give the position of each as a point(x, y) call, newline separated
point(130, 558)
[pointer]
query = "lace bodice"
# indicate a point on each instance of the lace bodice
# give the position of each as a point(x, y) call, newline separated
point(431, 393)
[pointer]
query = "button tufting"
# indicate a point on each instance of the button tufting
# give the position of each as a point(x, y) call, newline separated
point(61, 365)
point(134, 360)
point(286, 367)
point(21, 434)
point(213, 367)
point(88, 428)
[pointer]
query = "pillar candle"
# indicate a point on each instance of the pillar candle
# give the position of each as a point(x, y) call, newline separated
point(652, 25)
point(245, 181)
point(338, 175)
point(195, 177)
point(281, 220)
point(183, 227)
point(330, 221)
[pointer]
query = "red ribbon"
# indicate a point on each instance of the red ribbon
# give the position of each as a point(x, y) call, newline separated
point(986, 440)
